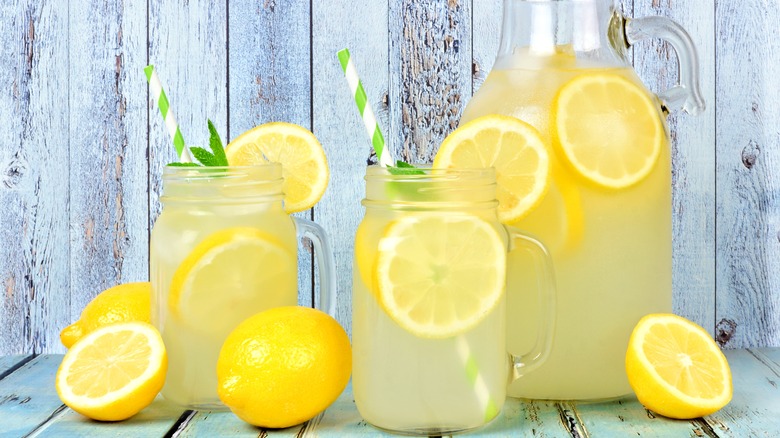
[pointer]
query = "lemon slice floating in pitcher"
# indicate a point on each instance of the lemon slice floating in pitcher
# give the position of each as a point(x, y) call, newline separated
point(608, 128)
point(113, 372)
point(676, 369)
point(304, 166)
point(231, 275)
point(510, 145)
point(439, 275)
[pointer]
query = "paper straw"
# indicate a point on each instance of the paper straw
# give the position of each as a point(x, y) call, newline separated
point(369, 119)
point(385, 159)
point(158, 94)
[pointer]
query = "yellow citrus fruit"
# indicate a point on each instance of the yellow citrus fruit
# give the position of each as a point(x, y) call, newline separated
point(676, 369)
point(122, 303)
point(253, 268)
point(608, 128)
point(113, 372)
point(304, 166)
point(283, 366)
point(510, 145)
point(439, 275)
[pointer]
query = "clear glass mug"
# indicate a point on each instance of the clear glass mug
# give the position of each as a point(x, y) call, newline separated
point(429, 283)
point(222, 250)
point(611, 241)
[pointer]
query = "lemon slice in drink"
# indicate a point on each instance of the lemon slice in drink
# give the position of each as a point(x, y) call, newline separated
point(439, 275)
point(608, 128)
point(113, 372)
point(510, 145)
point(676, 369)
point(304, 166)
point(231, 275)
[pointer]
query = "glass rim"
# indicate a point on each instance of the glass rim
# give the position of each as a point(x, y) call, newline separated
point(265, 172)
point(376, 171)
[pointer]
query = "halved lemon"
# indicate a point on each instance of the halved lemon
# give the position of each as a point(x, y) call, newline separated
point(510, 145)
point(439, 275)
point(676, 369)
point(304, 166)
point(608, 128)
point(112, 373)
point(231, 275)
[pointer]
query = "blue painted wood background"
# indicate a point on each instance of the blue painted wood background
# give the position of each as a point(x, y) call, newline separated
point(82, 147)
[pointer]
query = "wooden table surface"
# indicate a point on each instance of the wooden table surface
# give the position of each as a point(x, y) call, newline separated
point(29, 407)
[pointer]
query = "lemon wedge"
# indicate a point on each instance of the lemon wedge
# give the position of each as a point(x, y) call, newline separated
point(304, 166)
point(231, 275)
point(510, 145)
point(113, 372)
point(608, 128)
point(676, 369)
point(439, 275)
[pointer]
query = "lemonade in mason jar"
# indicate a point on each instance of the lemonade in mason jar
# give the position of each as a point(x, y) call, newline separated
point(603, 207)
point(428, 315)
point(225, 248)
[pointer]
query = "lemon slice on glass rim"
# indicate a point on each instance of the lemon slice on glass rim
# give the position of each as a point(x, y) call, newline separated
point(439, 275)
point(304, 165)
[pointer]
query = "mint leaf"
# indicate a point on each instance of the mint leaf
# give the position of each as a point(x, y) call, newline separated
point(205, 157)
point(180, 164)
point(404, 168)
point(215, 143)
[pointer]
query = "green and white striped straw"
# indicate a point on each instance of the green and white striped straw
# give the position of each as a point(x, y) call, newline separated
point(384, 156)
point(157, 92)
point(385, 159)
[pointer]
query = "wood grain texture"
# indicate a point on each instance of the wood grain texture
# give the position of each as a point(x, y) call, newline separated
point(337, 122)
point(269, 80)
point(747, 157)
point(187, 46)
point(34, 144)
point(693, 157)
point(486, 19)
point(109, 231)
point(28, 397)
point(430, 74)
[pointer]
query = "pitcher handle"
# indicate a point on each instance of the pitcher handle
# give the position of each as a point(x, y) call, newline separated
point(323, 254)
point(686, 95)
point(543, 266)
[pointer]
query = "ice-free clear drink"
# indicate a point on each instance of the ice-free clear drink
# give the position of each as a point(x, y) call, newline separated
point(428, 316)
point(222, 250)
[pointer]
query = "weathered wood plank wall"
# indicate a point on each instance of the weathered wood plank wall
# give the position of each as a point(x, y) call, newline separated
point(82, 148)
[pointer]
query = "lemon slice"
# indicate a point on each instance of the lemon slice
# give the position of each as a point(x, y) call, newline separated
point(113, 372)
point(608, 129)
point(231, 275)
point(304, 166)
point(676, 369)
point(439, 275)
point(510, 145)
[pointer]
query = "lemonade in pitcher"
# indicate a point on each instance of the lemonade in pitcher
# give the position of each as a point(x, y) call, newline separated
point(603, 208)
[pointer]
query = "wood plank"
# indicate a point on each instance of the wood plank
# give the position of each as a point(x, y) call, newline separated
point(693, 157)
point(337, 122)
point(748, 190)
point(108, 171)
point(755, 408)
point(187, 45)
point(28, 396)
point(526, 418)
point(270, 80)
point(9, 362)
point(206, 424)
point(154, 421)
point(430, 61)
point(34, 255)
point(486, 22)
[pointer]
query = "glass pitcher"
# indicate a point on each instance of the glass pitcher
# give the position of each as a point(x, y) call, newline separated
point(606, 215)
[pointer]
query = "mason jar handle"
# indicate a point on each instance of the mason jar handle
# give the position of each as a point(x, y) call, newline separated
point(686, 95)
point(545, 275)
point(323, 254)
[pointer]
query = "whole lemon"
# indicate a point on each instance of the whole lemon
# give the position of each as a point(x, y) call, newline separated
point(123, 303)
point(283, 366)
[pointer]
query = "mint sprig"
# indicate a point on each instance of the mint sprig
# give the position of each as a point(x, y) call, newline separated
point(404, 168)
point(215, 158)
